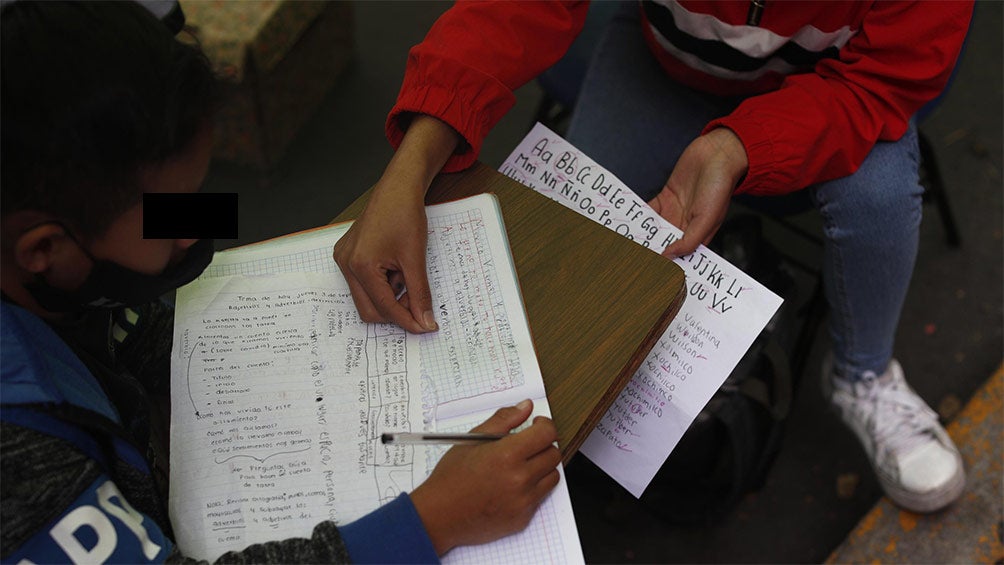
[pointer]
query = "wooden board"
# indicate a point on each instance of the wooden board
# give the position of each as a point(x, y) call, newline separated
point(596, 302)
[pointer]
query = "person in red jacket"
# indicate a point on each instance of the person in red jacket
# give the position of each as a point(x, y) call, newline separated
point(691, 103)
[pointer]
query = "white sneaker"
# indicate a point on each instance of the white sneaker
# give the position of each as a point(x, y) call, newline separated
point(917, 464)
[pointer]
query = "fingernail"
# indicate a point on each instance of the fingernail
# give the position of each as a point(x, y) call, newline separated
point(524, 404)
point(430, 321)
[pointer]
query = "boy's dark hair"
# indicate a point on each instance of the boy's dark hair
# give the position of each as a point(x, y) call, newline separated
point(93, 92)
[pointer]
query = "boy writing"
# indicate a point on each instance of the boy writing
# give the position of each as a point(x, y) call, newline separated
point(101, 104)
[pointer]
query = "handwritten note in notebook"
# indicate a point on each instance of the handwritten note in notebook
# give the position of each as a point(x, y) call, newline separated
point(281, 431)
point(278, 389)
point(724, 312)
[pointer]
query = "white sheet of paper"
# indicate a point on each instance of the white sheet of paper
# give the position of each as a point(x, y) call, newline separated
point(280, 396)
point(371, 369)
point(723, 313)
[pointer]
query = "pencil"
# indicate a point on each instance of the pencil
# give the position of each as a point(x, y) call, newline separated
point(432, 437)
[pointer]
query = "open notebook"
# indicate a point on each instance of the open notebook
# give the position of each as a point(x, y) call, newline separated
point(280, 392)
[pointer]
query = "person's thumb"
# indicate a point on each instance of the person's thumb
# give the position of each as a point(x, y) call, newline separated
point(683, 246)
point(505, 419)
point(419, 296)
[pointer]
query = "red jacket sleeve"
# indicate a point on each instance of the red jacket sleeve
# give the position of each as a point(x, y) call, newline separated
point(474, 57)
point(820, 126)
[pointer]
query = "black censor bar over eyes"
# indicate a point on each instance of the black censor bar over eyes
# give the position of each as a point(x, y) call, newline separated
point(198, 215)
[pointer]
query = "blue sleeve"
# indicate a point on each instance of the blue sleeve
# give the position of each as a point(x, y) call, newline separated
point(392, 533)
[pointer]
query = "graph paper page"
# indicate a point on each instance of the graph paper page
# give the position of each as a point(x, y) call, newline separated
point(482, 357)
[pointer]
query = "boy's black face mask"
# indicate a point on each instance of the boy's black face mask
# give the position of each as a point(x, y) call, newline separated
point(110, 285)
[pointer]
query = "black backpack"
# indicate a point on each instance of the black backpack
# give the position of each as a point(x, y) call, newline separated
point(731, 445)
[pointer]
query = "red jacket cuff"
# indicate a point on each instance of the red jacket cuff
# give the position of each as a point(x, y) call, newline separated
point(762, 175)
point(466, 99)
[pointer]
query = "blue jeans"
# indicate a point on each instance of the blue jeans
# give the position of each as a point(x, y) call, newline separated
point(635, 121)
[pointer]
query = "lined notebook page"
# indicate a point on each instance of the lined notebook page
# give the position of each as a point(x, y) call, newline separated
point(344, 384)
point(278, 389)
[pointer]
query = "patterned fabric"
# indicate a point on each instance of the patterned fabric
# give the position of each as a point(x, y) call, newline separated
point(41, 477)
point(235, 34)
point(279, 59)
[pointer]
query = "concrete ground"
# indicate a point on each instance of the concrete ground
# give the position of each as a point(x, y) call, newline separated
point(970, 531)
point(949, 341)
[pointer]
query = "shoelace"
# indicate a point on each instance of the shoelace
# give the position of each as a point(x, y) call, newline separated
point(898, 419)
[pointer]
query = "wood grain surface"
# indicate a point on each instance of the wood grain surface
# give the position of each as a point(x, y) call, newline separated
point(596, 302)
